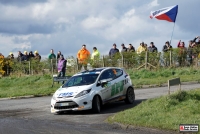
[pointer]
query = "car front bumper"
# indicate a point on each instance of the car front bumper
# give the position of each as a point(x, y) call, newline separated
point(71, 104)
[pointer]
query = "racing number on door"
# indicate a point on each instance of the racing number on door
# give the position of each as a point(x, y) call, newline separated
point(116, 88)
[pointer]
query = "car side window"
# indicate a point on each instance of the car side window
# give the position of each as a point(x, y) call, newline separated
point(108, 74)
point(119, 72)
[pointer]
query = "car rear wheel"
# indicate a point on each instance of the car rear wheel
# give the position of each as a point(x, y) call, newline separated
point(96, 104)
point(130, 96)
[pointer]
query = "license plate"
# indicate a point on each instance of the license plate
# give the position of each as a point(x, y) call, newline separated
point(64, 104)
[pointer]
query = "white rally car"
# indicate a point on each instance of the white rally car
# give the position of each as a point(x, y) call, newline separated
point(92, 88)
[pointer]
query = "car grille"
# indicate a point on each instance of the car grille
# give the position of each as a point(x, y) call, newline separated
point(71, 104)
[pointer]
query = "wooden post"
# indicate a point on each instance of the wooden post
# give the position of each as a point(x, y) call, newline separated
point(146, 59)
point(77, 66)
point(122, 60)
point(103, 61)
point(52, 66)
point(170, 58)
point(29, 66)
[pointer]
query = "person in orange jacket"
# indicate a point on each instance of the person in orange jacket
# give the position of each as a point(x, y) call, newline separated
point(83, 56)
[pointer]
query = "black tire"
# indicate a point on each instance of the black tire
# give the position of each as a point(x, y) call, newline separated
point(130, 96)
point(96, 104)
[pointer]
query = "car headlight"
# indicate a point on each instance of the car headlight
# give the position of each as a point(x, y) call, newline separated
point(54, 97)
point(82, 93)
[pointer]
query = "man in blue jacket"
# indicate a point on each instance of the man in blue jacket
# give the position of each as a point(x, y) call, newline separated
point(113, 50)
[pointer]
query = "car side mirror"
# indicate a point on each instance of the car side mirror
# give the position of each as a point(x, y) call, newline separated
point(98, 83)
point(104, 82)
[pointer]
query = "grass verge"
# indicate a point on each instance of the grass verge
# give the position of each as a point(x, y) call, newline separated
point(165, 112)
point(26, 85)
point(14, 86)
point(161, 76)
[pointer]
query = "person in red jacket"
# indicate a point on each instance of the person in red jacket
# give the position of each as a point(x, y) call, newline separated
point(83, 56)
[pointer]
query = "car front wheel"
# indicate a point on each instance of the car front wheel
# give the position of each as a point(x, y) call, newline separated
point(96, 104)
point(130, 96)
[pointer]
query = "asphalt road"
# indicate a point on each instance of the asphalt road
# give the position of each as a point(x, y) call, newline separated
point(32, 116)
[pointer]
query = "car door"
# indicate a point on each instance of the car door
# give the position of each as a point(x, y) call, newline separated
point(118, 83)
point(106, 89)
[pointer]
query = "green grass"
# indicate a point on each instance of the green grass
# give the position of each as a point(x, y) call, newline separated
point(161, 76)
point(165, 112)
point(41, 84)
point(27, 85)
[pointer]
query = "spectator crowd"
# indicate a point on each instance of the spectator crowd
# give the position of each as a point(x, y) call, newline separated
point(83, 55)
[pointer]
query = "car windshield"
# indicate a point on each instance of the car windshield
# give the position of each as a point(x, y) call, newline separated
point(81, 80)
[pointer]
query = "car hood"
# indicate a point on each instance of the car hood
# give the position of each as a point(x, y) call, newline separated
point(70, 91)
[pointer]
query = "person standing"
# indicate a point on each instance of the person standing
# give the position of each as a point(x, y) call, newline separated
point(61, 67)
point(19, 57)
point(182, 51)
point(141, 48)
point(37, 56)
point(1, 56)
point(95, 57)
point(10, 56)
point(166, 47)
point(198, 43)
point(124, 49)
point(52, 55)
point(83, 56)
point(152, 47)
point(25, 57)
point(52, 60)
point(130, 48)
point(113, 50)
point(31, 55)
point(166, 55)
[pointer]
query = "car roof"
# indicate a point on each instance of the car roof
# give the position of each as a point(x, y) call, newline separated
point(95, 70)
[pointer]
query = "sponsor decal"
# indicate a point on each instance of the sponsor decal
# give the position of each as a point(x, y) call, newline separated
point(65, 94)
point(116, 88)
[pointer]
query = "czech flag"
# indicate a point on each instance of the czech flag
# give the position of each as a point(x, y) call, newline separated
point(168, 13)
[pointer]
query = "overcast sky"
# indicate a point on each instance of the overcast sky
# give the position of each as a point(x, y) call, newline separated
point(64, 25)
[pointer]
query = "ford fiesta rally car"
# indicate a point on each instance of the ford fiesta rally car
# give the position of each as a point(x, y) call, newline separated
point(92, 88)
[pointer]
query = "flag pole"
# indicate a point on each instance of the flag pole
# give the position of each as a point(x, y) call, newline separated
point(172, 34)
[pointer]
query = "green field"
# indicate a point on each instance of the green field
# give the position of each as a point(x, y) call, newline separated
point(165, 112)
point(26, 85)
point(161, 76)
point(13, 86)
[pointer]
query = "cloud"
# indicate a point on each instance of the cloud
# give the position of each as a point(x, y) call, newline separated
point(20, 2)
point(66, 25)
